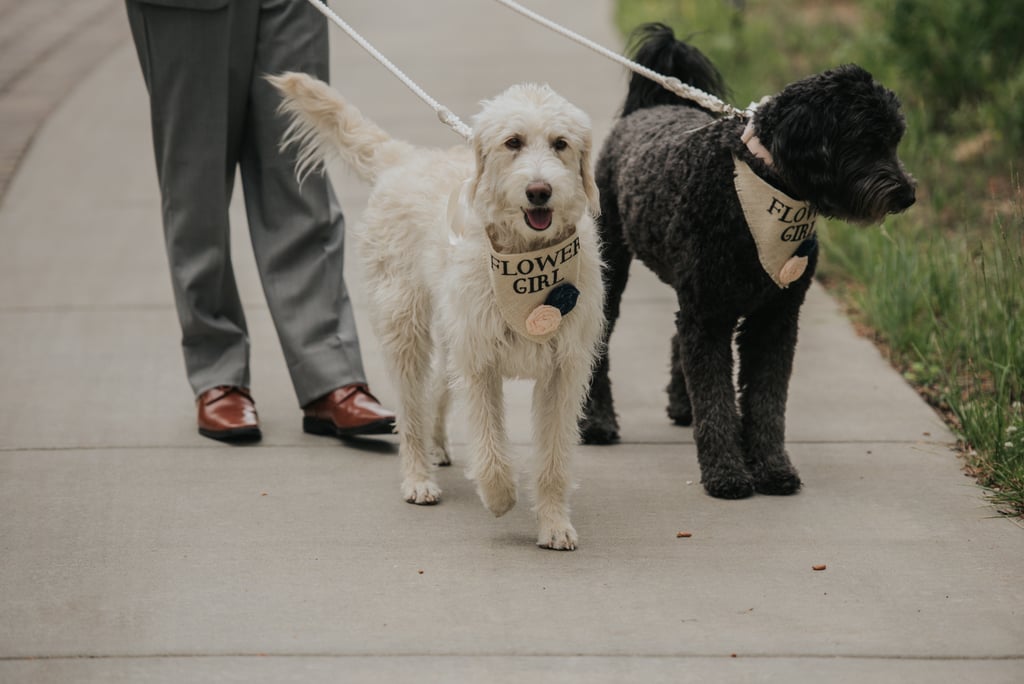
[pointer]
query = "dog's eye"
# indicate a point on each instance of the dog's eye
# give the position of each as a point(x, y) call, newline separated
point(560, 144)
point(514, 143)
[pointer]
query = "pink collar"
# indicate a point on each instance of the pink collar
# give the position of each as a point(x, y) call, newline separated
point(753, 144)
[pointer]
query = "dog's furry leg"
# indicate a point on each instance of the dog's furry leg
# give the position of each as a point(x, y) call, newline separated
point(766, 343)
point(679, 408)
point(556, 407)
point(406, 337)
point(441, 389)
point(599, 424)
point(489, 465)
point(708, 364)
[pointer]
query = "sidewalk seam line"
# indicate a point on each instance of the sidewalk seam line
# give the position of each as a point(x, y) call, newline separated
point(723, 656)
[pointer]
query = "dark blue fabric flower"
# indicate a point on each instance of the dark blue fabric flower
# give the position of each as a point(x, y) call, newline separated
point(807, 246)
point(563, 298)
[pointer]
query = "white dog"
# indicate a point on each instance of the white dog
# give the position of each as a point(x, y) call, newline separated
point(460, 258)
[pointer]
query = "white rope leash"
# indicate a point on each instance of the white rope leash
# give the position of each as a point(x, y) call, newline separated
point(704, 99)
point(446, 116)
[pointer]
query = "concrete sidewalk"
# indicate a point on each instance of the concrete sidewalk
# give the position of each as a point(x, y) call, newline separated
point(133, 550)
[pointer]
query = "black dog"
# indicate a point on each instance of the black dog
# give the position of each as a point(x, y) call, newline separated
point(672, 177)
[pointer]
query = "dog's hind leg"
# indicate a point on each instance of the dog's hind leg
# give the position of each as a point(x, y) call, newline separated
point(766, 342)
point(489, 463)
point(599, 424)
point(406, 335)
point(556, 404)
point(708, 365)
point(679, 408)
point(442, 390)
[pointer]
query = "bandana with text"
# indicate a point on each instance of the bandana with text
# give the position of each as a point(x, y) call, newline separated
point(778, 223)
point(522, 282)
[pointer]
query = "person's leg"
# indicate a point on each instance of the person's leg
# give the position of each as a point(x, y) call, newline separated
point(184, 56)
point(297, 231)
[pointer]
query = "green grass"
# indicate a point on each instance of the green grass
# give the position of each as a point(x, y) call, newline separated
point(940, 288)
point(950, 311)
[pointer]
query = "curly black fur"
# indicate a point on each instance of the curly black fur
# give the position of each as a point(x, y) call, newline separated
point(667, 197)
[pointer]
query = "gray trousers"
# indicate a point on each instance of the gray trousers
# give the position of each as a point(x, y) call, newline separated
point(203, 63)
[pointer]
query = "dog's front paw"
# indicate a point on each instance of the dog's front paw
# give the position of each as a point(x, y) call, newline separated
point(499, 496)
point(495, 484)
point(421, 492)
point(560, 536)
point(729, 485)
point(779, 481)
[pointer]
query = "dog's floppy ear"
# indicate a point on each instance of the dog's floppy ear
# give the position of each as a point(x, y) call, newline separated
point(481, 163)
point(800, 143)
point(587, 176)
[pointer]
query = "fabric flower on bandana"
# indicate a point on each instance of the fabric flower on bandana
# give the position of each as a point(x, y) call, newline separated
point(548, 316)
point(543, 319)
point(797, 264)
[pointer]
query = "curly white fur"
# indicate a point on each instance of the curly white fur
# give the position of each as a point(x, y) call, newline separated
point(432, 303)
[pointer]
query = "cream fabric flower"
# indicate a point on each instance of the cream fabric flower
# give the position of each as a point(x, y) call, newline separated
point(792, 270)
point(543, 320)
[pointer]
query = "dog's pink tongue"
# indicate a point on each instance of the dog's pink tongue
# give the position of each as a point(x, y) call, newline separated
point(539, 219)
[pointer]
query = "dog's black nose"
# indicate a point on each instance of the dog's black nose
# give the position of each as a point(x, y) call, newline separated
point(906, 198)
point(538, 193)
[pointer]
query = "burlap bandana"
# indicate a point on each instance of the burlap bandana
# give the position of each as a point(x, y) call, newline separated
point(522, 282)
point(778, 223)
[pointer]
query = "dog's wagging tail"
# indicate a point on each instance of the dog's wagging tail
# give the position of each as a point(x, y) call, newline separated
point(655, 47)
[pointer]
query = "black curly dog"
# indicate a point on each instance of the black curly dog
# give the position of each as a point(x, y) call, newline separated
point(667, 197)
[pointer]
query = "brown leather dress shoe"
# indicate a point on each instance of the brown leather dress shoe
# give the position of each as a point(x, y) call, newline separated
point(348, 411)
point(229, 414)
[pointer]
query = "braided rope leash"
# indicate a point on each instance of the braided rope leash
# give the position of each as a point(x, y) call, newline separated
point(447, 117)
point(671, 83)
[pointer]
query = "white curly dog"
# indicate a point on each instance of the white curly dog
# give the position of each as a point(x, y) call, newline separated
point(446, 235)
